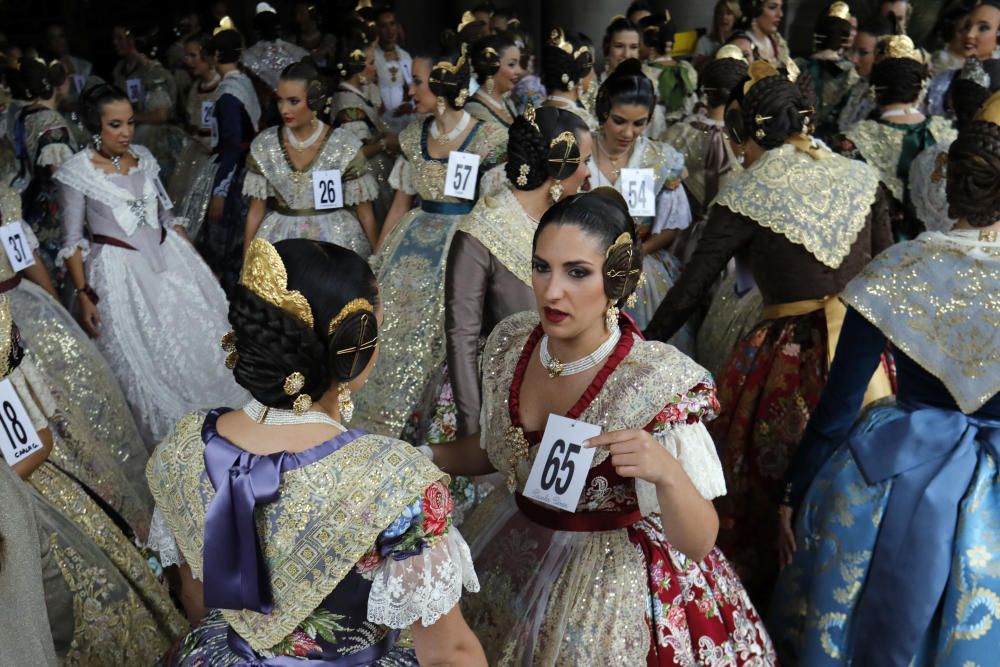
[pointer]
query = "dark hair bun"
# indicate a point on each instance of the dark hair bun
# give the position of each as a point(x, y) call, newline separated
point(352, 55)
point(720, 77)
point(626, 85)
point(486, 54)
point(306, 72)
point(450, 78)
point(271, 344)
point(833, 33)
point(896, 80)
point(92, 102)
point(770, 112)
point(658, 32)
point(973, 184)
point(566, 60)
point(36, 80)
point(226, 46)
point(539, 149)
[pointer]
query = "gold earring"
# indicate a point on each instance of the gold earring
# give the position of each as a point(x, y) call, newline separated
point(490, 85)
point(229, 342)
point(522, 176)
point(313, 121)
point(345, 403)
point(442, 104)
point(556, 190)
point(611, 317)
point(294, 383)
point(302, 404)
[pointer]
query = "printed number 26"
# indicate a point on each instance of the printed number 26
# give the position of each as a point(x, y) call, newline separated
point(328, 192)
point(551, 473)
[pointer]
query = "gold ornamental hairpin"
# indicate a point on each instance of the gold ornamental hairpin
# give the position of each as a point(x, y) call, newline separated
point(354, 306)
point(451, 68)
point(840, 10)
point(225, 23)
point(759, 70)
point(265, 275)
point(356, 54)
point(569, 139)
point(990, 111)
point(363, 4)
point(557, 38)
point(468, 18)
point(529, 115)
point(899, 46)
point(732, 52)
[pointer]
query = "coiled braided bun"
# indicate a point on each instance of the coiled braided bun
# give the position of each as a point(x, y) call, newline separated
point(566, 60)
point(271, 344)
point(833, 33)
point(777, 104)
point(486, 55)
point(973, 185)
point(603, 215)
point(719, 79)
point(352, 55)
point(450, 77)
point(534, 144)
point(897, 80)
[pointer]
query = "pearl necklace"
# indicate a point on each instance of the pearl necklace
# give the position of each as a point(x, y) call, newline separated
point(895, 113)
point(301, 146)
point(557, 368)
point(262, 414)
point(452, 134)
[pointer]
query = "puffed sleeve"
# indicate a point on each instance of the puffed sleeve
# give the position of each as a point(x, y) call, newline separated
point(680, 428)
point(359, 184)
point(419, 564)
point(54, 147)
point(256, 184)
point(72, 204)
point(402, 178)
point(672, 210)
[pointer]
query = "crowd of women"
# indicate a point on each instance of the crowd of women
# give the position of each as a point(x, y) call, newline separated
point(318, 352)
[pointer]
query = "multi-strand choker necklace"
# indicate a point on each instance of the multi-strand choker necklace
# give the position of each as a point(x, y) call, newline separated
point(452, 134)
point(557, 368)
point(262, 414)
point(301, 146)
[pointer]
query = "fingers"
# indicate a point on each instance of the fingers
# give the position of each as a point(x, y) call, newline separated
point(612, 438)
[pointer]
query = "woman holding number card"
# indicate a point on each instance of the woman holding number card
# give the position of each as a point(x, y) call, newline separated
point(442, 159)
point(143, 292)
point(802, 252)
point(625, 105)
point(631, 576)
point(306, 179)
point(105, 605)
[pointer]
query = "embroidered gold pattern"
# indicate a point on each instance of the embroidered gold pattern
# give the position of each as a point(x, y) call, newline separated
point(501, 225)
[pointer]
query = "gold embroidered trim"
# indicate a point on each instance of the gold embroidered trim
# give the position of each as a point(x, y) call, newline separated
point(501, 225)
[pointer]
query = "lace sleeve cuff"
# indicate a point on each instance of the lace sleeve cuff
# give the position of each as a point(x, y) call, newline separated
point(401, 177)
point(424, 587)
point(672, 211)
point(161, 540)
point(694, 449)
point(360, 190)
point(54, 155)
point(255, 185)
point(493, 180)
point(83, 245)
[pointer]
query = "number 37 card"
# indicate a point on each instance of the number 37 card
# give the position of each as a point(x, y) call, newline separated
point(562, 463)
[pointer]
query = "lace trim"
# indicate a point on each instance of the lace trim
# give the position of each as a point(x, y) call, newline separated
point(83, 245)
point(162, 541)
point(256, 186)
point(928, 176)
point(493, 181)
point(53, 155)
point(694, 449)
point(401, 177)
point(423, 587)
point(359, 190)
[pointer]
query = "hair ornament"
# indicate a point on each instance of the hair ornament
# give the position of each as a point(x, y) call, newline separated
point(618, 17)
point(522, 174)
point(264, 7)
point(350, 308)
point(623, 242)
point(365, 341)
point(265, 275)
point(450, 68)
point(569, 139)
point(294, 383)
point(468, 18)
point(302, 404)
point(529, 115)
point(513, 23)
point(730, 51)
point(357, 54)
point(990, 111)
point(225, 23)
point(6, 339)
point(973, 71)
point(229, 342)
point(759, 70)
point(490, 51)
point(759, 120)
point(840, 10)
point(900, 46)
point(792, 71)
point(666, 16)
point(557, 38)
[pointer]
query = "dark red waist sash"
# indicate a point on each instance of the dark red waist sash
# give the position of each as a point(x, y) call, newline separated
point(118, 243)
point(580, 522)
point(10, 283)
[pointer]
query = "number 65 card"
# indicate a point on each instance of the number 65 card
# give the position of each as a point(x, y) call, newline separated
point(562, 463)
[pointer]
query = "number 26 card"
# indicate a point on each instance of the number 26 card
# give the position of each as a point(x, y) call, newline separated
point(562, 463)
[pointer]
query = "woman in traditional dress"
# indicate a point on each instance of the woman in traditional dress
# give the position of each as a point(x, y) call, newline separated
point(412, 257)
point(143, 292)
point(621, 42)
point(675, 80)
point(801, 253)
point(496, 62)
point(890, 143)
point(631, 576)
point(359, 543)
point(895, 537)
point(322, 46)
point(105, 605)
point(152, 92)
point(286, 160)
point(357, 107)
point(624, 108)
point(43, 141)
point(761, 22)
point(567, 71)
point(830, 71)
point(97, 440)
point(982, 27)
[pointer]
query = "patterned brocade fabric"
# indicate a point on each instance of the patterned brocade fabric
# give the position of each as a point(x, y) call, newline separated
point(833, 197)
point(936, 299)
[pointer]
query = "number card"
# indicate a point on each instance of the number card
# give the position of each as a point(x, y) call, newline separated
point(637, 186)
point(463, 171)
point(328, 190)
point(562, 463)
point(207, 114)
point(133, 87)
point(18, 438)
point(161, 193)
point(16, 246)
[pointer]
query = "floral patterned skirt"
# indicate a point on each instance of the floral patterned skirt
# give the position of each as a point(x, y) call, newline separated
point(617, 597)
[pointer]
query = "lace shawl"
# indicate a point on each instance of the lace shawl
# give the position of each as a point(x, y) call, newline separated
point(928, 177)
point(820, 204)
point(935, 298)
point(239, 85)
point(80, 174)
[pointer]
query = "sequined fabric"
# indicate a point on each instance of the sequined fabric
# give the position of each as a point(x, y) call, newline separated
point(936, 299)
point(360, 115)
point(830, 199)
point(265, 59)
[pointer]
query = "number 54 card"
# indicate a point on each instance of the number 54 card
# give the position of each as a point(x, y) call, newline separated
point(562, 463)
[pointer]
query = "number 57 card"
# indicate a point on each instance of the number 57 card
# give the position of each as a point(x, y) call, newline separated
point(561, 465)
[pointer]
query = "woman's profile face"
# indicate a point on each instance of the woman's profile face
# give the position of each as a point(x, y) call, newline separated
point(981, 32)
point(117, 126)
point(293, 105)
point(568, 280)
point(510, 71)
point(420, 90)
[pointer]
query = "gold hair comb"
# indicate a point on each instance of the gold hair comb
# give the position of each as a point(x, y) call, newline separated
point(730, 51)
point(557, 38)
point(900, 46)
point(265, 275)
point(468, 18)
point(225, 23)
point(841, 10)
point(759, 70)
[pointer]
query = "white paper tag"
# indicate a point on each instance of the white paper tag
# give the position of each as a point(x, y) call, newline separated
point(15, 244)
point(79, 81)
point(133, 87)
point(637, 187)
point(207, 114)
point(328, 190)
point(161, 193)
point(18, 437)
point(562, 463)
point(463, 172)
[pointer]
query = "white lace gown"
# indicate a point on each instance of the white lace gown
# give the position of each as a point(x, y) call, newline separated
point(162, 311)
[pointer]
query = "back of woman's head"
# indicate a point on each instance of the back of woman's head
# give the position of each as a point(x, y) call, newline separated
point(306, 73)
point(720, 77)
point(267, 25)
point(566, 60)
point(899, 74)
point(626, 85)
point(770, 112)
point(486, 53)
point(618, 24)
point(832, 33)
point(972, 87)
point(352, 55)
point(145, 38)
point(304, 307)
point(543, 143)
point(226, 46)
point(602, 214)
point(36, 80)
point(973, 184)
point(658, 32)
point(449, 77)
point(93, 100)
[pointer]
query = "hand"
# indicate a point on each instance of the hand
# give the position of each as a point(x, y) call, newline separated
point(89, 318)
point(215, 208)
point(786, 536)
point(403, 109)
point(635, 453)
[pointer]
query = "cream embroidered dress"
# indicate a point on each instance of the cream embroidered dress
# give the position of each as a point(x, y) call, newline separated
point(292, 212)
point(162, 311)
point(358, 112)
point(410, 268)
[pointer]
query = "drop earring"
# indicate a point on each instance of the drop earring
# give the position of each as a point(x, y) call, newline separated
point(97, 142)
point(344, 403)
point(490, 85)
point(556, 191)
point(611, 317)
point(442, 104)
